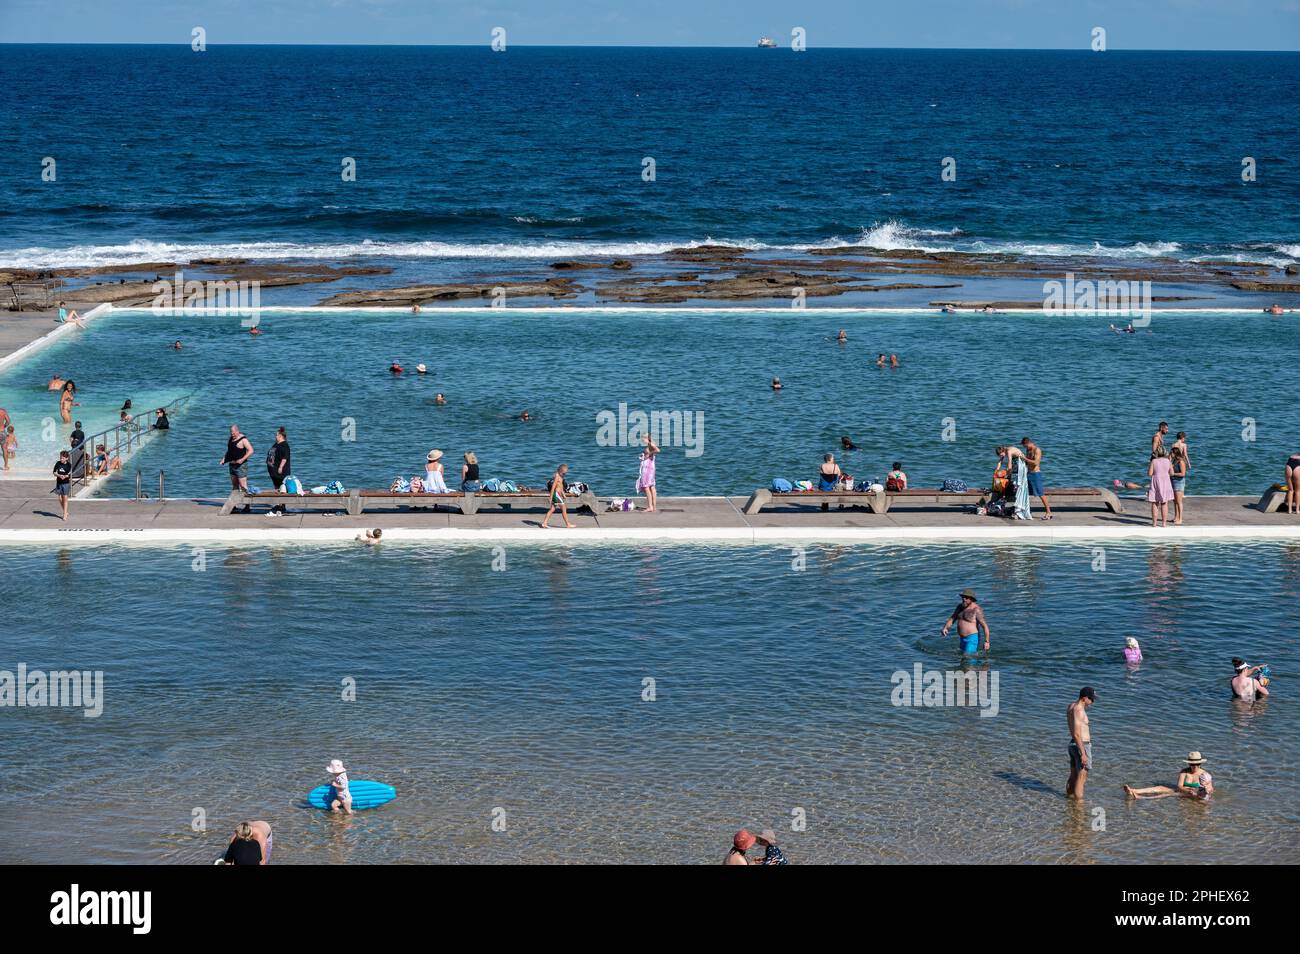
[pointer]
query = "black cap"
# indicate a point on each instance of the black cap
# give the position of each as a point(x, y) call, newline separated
point(1087, 692)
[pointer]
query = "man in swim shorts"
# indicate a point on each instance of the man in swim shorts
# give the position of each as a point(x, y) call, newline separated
point(969, 616)
point(1034, 461)
point(1076, 714)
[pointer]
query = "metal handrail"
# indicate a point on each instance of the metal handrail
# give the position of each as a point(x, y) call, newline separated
point(129, 437)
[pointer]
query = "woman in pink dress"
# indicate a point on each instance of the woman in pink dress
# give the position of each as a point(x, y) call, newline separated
point(645, 481)
point(1161, 490)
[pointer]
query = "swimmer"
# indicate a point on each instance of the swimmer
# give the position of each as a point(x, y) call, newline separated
point(415, 309)
point(948, 310)
point(176, 346)
point(56, 383)
point(776, 384)
point(395, 368)
point(1193, 782)
point(1247, 685)
point(525, 416)
point(370, 537)
point(842, 337)
point(1132, 651)
point(421, 369)
point(254, 331)
point(250, 844)
point(1273, 310)
point(847, 443)
point(893, 360)
point(440, 399)
point(880, 360)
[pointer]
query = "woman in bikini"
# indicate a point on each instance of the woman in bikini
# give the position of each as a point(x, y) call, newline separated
point(1292, 474)
point(556, 488)
point(67, 402)
point(1193, 782)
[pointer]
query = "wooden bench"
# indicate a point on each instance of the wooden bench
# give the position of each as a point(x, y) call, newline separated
point(388, 499)
point(1272, 500)
point(274, 498)
point(1058, 496)
point(468, 503)
point(764, 497)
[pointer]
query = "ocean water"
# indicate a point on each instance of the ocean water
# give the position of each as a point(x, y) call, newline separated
point(522, 690)
point(1091, 398)
point(462, 153)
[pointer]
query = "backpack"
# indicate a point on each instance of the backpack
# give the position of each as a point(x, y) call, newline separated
point(781, 486)
point(893, 483)
point(953, 486)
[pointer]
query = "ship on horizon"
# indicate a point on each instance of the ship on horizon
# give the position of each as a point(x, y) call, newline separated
point(766, 43)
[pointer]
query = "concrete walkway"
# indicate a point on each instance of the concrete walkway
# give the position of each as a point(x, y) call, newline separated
point(682, 519)
point(26, 332)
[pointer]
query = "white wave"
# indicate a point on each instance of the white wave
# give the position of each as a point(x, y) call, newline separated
point(1290, 250)
point(140, 251)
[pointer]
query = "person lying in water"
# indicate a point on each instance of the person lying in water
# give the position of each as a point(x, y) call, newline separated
point(1193, 782)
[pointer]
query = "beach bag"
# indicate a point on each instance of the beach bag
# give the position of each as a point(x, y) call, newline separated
point(953, 486)
point(335, 487)
point(509, 487)
point(320, 489)
point(893, 483)
point(781, 486)
point(621, 503)
point(417, 485)
point(576, 488)
point(863, 486)
point(400, 485)
point(804, 484)
point(292, 485)
point(1001, 481)
point(846, 482)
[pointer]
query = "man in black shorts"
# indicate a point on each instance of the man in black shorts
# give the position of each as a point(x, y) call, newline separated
point(63, 480)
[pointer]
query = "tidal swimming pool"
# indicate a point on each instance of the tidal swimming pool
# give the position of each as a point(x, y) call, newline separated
point(1090, 397)
point(524, 688)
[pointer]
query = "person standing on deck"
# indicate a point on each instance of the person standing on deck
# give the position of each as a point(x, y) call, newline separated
point(645, 480)
point(238, 450)
point(1034, 461)
point(63, 480)
point(969, 616)
point(1076, 715)
point(277, 463)
point(77, 439)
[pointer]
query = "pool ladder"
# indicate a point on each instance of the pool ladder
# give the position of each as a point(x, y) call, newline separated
point(139, 486)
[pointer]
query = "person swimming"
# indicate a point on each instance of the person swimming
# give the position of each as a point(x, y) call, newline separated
point(395, 368)
point(880, 360)
point(439, 398)
point(776, 384)
point(525, 416)
point(842, 337)
point(847, 443)
point(1132, 651)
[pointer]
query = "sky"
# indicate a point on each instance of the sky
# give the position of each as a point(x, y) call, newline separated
point(983, 24)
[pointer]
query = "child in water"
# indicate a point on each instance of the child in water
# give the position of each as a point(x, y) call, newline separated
point(1132, 651)
point(339, 796)
point(370, 537)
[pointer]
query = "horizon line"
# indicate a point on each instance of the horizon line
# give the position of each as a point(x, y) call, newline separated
point(654, 46)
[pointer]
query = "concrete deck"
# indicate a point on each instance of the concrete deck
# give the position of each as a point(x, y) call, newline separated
point(23, 333)
point(682, 519)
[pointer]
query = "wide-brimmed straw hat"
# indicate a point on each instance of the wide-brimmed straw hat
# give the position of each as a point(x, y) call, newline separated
point(767, 836)
point(1194, 758)
point(968, 594)
point(421, 368)
point(433, 455)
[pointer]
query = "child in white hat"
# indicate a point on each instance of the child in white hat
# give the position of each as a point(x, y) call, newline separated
point(340, 797)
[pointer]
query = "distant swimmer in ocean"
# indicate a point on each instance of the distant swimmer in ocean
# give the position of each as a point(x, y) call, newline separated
point(415, 309)
point(1132, 651)
point(370, 537)
point(56, 383)
point(842, 337)
point(1249, 682)
point(395, 368)
point(176, 346)
point(421, 369)
point(439, 398)
point(254, 331)
point(1273, 310)
point(525, 416)
point(776, 384)
point(250, 844)
point(880, 360)
point(1193, 782)
point(893, 360)
point(847, 443)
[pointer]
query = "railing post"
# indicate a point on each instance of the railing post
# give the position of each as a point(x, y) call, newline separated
point(160, 486)
point(137, 486)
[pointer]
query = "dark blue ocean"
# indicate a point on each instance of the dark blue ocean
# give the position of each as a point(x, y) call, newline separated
point(460, 152)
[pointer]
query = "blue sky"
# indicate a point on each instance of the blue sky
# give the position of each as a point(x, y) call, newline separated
point(1010, 24)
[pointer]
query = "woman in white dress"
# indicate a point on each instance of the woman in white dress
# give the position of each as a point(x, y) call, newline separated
point(434, 482)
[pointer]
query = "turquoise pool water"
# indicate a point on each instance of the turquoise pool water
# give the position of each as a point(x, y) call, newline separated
point(1090, 397)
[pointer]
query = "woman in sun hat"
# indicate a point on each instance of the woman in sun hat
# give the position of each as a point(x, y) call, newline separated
point(434, 482)
point(1193, 782)
point(741, 842)
point(421, 369)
